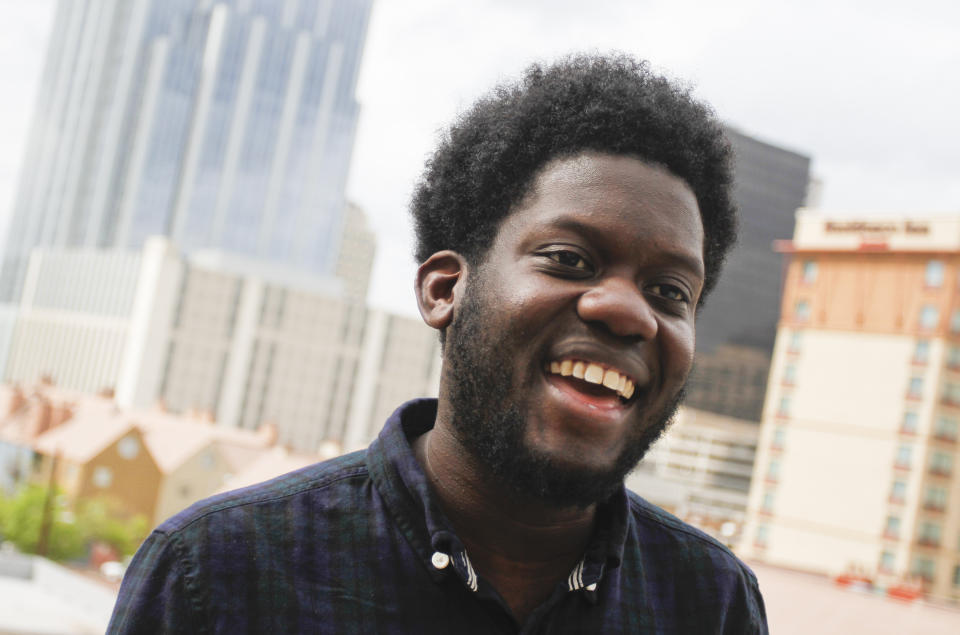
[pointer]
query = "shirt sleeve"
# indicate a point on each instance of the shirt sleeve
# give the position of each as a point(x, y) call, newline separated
point(156, 594)
point(747, 613)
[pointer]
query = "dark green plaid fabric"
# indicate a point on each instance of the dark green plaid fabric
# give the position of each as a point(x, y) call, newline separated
point(357, 545)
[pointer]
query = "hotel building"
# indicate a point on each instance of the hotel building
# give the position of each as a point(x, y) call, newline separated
point(858, 454)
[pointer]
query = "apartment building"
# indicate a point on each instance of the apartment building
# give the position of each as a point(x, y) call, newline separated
point(858, 454)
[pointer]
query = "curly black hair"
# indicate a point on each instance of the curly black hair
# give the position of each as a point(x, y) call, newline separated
point(489, 158)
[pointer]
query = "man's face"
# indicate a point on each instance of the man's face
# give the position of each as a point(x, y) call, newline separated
point(569, 351)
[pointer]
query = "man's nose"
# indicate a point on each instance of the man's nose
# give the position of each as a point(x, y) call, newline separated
point(620, 305)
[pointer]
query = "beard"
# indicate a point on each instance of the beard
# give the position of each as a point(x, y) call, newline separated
point(489, 420)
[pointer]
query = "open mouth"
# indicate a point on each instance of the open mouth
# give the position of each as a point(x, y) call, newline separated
point(593, 383)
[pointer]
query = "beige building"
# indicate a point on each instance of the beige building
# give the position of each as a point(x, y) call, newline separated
point(700, 470)
point(858, 454)
point(243, 341)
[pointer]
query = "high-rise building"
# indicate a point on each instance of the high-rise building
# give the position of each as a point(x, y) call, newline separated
point(858, 463)
point(245, 343)
point(736, 330)
point(222, 124)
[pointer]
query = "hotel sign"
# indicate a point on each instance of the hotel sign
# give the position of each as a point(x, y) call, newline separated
point(877, 227)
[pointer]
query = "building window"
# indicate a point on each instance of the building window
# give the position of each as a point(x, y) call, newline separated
point(898, 492)
point(935, 499)
point(795, 340)
point(762, 536)
point(809, 272)
point(921, 352)
point(915, 387)
point(953, 357)
point(928, 317)
point(102, 477)
point(941, 463)
point(924, 568)
point(909, 424)
point(801, 311)
point(773, 471)
point(934, 275)
point(779, 437)
point(790, 374)
point(783, 409)
point(767, 502)
point(945, 429)
point(929, 534)
point(903, 456)
point(887, 561)
point(128, 447)
point(956, 575)
point(892, 528)
point(955, 321)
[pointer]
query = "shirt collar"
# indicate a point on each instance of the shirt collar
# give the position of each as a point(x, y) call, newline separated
point(401, 482)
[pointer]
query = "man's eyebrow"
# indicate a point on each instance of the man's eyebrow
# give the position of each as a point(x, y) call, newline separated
point(595, 234)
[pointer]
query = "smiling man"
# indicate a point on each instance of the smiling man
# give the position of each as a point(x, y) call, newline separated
point(569, 226)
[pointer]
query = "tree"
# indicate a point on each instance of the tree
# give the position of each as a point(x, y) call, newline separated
point(70, 533)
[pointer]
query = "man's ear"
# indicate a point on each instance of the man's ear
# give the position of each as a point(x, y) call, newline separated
point(438, 287)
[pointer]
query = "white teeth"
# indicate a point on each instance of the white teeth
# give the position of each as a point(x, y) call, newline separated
point(611, 379)
point(593, 374)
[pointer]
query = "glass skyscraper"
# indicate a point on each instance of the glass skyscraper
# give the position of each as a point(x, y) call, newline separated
point(225, 125)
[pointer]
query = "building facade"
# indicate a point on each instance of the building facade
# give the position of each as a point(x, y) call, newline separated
point(242, 342)
point(857, 463)
point(700, 469)
point(736, 330)
point(223, 125)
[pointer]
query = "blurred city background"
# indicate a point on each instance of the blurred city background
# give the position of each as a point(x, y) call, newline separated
point(206, 275)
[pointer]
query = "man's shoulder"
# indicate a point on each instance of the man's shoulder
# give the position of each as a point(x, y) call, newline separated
point(311, 481)
point(681, 541)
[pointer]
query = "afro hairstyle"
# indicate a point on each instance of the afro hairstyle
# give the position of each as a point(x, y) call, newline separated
point(488, 160)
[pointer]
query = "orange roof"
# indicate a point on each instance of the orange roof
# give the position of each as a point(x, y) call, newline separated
point(89, 432)
point(270, 464)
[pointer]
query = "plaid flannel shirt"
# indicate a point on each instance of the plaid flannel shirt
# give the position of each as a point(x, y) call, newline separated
point(358, 545)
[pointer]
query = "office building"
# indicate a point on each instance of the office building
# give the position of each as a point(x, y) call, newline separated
point(700, 469)
point(223, 125)
point(858, 459)
point(736, 330)
point(243, 343)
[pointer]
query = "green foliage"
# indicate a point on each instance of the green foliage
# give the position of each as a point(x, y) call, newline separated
point(70, 534)
point(102, 520)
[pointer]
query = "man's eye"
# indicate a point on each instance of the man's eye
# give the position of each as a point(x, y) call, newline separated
point(568, 259)
point(670, 292)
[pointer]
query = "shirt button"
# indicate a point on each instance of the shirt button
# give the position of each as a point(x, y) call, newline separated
point(440, 560)
point(591, 587)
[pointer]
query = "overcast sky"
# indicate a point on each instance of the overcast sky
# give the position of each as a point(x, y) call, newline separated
point(869, 90)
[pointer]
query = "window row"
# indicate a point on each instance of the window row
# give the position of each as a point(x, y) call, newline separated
point(932, 278)
point(928, 320)
point(923, 567)
point(929, 533)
